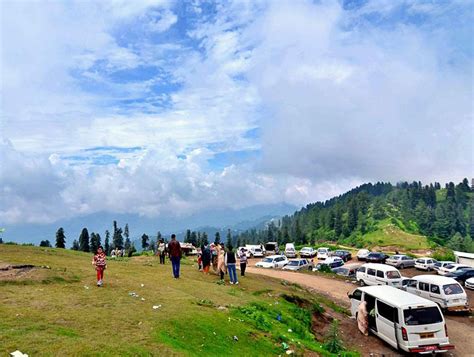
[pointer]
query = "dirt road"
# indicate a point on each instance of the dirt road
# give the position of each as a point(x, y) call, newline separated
point(461, 329)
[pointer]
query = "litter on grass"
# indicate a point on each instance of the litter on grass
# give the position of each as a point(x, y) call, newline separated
point(133, 294)
point(236, 338)
point(18, 354)
point(156, 307)
point(142, 285)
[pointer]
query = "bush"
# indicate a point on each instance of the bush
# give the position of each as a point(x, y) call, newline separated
point(333, 342)
point(444, 254)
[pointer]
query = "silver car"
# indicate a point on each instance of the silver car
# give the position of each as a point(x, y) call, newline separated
point(400, 261)
point(298, 264)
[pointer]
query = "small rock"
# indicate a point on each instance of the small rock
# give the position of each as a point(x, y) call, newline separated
point(86, 287)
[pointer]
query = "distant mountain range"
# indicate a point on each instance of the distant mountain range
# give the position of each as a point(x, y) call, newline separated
point(209, 221)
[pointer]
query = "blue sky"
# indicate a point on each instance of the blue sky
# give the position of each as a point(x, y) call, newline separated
point(151, 107)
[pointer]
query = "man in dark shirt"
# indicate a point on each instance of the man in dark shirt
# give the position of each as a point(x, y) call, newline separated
point(174, 249)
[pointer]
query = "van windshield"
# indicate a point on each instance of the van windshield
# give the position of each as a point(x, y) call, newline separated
point(422, 316)
point(393, 274)
point(267, 260)
point(452, 289)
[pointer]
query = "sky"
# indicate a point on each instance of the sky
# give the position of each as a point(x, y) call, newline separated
point(168, 108)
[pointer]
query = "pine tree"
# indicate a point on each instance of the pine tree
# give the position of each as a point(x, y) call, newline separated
point(193, 239)
point(205, 240)
point(471, 218)
point(217, 238)
point(229, 240)
point(126, 233)
point(187, 238)
point(456, 242)
point(75, 245)
point(84, 240)
point(107, 242)
point(145, 241)
point(117, 239)
point(60, 238)
point(94, 242)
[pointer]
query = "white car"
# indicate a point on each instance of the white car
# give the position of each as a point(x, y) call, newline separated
point(257, 252)
point(331, 262)
point(323, 253)
point(469, 283)
point(290, 250)
point(425, 264)
point(362, 254)
point(451, 268)
point(273, 261)
point(442, 264)
point(307, 252)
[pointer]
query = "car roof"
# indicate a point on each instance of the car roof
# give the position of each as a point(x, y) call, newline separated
point(435, 279)
point(399, 255)
point(275, 256)
point(382, 267)
point(298, 259)
point(396, 297)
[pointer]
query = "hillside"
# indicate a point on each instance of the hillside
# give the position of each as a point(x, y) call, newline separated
point(406, 215)
point(55, 307)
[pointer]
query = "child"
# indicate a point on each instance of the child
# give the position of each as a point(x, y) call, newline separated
point(100, 264)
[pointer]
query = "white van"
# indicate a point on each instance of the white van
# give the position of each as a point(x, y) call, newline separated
point(425, 264)
point(323, 253)
point(290, 250)
point(406, 322)
point(378, 274)
point(444, 291)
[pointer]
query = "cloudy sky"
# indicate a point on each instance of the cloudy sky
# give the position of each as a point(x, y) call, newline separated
point(159, 107)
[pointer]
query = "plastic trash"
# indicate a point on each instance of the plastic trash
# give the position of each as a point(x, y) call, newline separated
point(279, 317)
point(156, 307)
point(18, 354)
point(143, 299)
point(290, 330)
point(284, 345)
point(142, 285)
point(290, 352)
point(85, 287)
point(236, 338)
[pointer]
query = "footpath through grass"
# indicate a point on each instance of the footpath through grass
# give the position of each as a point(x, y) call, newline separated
point(59, 311)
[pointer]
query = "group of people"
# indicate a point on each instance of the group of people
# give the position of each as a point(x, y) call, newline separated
point(222, 260)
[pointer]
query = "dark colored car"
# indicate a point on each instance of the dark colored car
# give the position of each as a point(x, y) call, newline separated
point(462, 275)
point(344, 254)
point(376, 258)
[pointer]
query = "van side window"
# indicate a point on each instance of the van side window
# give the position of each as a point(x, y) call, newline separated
point(371, 271)
point(424, 286)
point(390, 313)
point(379, 274)
point(357, 294)
point(361, 269)
point(412, 283)
point(434, 289)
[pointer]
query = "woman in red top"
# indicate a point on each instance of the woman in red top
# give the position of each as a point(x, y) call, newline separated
point(100, 264)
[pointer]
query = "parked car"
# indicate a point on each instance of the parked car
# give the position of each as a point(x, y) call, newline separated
point(273, 261)
point(246, 251)
point(441, 264)
point(469, 283)
point(290, 250)
point(425, 264)
point(406, 322)
point(362, 254)
point(444, 291)
point(298, 264)
point(331, 262)
point(323, 253)
point(271, 248)
point(345, 271)
point(307, 252)
point(400, 261)
point(376, 257)
point(378, 274)
point(344, 254)
point(256, 250)
point(461, 275)
point(451, 268)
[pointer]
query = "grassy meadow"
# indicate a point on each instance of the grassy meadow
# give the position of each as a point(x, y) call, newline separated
point(58, 310)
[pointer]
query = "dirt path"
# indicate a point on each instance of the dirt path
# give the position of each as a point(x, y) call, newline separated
point(460, 333)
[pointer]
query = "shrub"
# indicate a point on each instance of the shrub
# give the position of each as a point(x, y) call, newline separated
point(333, 342)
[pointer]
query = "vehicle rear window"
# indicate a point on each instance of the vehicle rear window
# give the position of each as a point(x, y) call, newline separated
point(422, 316)
point(451, 289)
point(393, 274)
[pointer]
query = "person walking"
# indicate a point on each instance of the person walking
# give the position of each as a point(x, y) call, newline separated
point(162, 251)
point(206, 258)
point(175, 252)
point(99, 261)
point(220, 260)
point(243, 261)
point(230, 261)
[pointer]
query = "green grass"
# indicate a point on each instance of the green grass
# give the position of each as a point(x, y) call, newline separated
point(389, 235)
point(60, 311)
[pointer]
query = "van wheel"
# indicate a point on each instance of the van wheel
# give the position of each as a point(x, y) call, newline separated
point(362, 283)
point(402, 266)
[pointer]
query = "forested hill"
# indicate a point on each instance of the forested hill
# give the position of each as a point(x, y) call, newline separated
point(409, 214)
